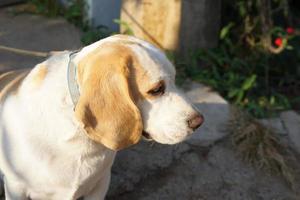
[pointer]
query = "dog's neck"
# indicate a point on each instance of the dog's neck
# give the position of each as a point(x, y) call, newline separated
point(53, 113)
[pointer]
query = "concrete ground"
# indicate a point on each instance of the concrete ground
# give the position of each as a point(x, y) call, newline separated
point(205, 167)
point(36, 33)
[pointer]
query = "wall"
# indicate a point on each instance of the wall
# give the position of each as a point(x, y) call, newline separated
point(103, 12)
point(176, 25)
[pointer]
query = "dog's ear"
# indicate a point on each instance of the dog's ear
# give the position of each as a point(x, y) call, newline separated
point(106, 107)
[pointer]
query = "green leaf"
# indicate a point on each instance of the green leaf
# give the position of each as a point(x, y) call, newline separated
point(128, 29)
point(249, 82)
point(239, 97)
point(233, 93)
point(272, 100)
point(242, 8)
point(225, 30)
point(289, 47)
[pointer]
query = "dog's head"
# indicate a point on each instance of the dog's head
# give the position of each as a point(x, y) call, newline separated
point(127, 88)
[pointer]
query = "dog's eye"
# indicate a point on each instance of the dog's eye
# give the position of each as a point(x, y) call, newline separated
point(158, 90)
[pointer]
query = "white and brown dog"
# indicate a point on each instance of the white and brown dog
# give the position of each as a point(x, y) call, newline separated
point(63, 121)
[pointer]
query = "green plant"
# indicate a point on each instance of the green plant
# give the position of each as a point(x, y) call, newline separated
point(94, 34)
point(48, 8)
point(127, 29)
point(75, 13)
point(255, 60)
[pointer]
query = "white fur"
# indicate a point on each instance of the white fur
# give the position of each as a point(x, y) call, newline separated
point(44, 151)
point(164, 118)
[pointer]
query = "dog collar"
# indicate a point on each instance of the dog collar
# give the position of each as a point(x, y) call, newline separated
point(72, 79)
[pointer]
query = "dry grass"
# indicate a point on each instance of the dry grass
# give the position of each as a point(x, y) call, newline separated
point(259, 146)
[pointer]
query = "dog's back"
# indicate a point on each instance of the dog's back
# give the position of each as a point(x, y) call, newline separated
point(42, 153)
point(9, 81)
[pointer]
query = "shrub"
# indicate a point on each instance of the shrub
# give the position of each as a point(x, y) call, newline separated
point(255, 65)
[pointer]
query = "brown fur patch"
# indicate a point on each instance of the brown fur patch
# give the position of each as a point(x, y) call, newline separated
point(139, 80)
point(111, 81)
point(39, 75)
point(10, 81)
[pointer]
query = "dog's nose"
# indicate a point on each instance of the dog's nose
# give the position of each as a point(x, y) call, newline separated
point(195, 121)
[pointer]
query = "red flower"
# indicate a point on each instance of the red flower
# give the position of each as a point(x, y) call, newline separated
point(278, 41)
point(290, 30)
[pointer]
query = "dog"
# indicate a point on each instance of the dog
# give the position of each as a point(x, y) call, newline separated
point(63, 121)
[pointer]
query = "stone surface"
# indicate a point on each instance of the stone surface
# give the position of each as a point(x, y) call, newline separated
point(200, 24)
point(33, 32)
point(181, 25)
point(291, 121)
point(215, 110)
point(198, 169)
point(156, 21)
point(104, 12)
point(274, 124)
point(135, 164)
point(202, 174)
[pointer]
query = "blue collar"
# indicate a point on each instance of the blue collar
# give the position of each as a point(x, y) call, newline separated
point(72, 79)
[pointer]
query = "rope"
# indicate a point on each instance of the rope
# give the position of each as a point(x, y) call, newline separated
point(24, 52)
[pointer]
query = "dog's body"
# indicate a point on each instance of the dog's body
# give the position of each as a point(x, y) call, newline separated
point(53, 149)
point(44, 153)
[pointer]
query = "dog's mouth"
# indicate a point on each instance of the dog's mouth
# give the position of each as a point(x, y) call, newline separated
point(146, 136)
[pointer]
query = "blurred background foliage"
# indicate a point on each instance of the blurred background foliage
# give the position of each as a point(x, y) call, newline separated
point(256, 64)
